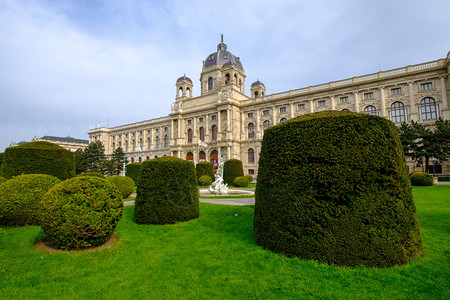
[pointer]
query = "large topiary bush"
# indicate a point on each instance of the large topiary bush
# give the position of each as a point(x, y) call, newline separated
point(132, 170)
point(334, 187)
point(249, 177)
point(96, 174)
point(124, 184)
point(20, 197)
point(38, 158)
point(241, 181)
point(167, 192)
point(81, 212)
point(232, 168)
point(421, 179)
point(205, 168)
point(2, 179)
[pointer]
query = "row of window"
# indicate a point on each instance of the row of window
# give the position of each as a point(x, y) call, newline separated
point(141, 144)
point(202, 119)
point(140, 133)
point(201, 134)
point(214, 156)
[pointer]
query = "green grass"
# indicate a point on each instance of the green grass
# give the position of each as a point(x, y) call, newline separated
point(227, 196)
point(215, 257)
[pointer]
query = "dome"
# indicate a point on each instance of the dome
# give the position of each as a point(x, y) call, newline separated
point(184, 78)
point(257, 82)
point(222, 57)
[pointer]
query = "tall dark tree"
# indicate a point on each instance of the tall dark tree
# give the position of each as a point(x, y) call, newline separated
point(94, 156)
point(117, 159)
point(80, 162)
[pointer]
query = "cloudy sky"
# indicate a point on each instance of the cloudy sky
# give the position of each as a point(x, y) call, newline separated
point(68, 64)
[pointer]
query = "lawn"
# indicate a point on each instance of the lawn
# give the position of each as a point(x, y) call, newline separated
point(215, 257)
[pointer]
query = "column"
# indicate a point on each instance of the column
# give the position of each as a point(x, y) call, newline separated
point(311, 106)
point(194, 131)
point(219, 126)
point(383, 103)
point(274, 117)
point(292, 110)
point(333, 103)
point(171, 129)
point(229, 128)
point(207, 129)
point(229, 152)
point(444, 93)
point(258, 125)
point(412, 104)
point(241, 131)
point(355, 94)
point(144, 139)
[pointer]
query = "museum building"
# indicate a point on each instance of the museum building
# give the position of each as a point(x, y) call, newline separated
point(225, 120)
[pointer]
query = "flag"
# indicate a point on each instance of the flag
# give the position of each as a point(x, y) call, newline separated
point(139, 149)
point(202, 143)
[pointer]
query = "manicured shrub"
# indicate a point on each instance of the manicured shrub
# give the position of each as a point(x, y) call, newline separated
point(167, 192)
point(81, 212)
point(20, 197)
point(241, 181)
point(421, 179)
point(333, 187)
point(249, 177)
point(204, 180)
point(132, 170)
point(232, 168)
point(205, 168)
point(96, 174)
point(124, 184)
point(38, 158)
point(2, 179)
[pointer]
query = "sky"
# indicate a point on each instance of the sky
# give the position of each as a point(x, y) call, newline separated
point(66, 65)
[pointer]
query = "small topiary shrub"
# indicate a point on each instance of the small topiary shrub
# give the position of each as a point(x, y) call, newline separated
point(333, 186)
point(38, 158)
point(205, 168)
point(167, 192)
point(81, 212)
point(232, 168)
point(132, 170)
point(421, 179)
point(96, 174)
point(2, 179)
point(20, 197)
point(204, 180)
point(240, 181)
point(249, 177)
point(124, 184)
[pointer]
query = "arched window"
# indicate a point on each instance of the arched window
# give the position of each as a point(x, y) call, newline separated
point(214, 157)
point(166, 141)
point(370, 110)
point(126, 146)
point(147, 158)
point(140, 159)
point(134, 145)
point(266, 125)
point(398, 112)
point(201, 156)
point(201, 133)
point(149, 142)
point(210, 84)
point(251, 156)
point(346, 109)
point(283, 120)
point(227, 78)
point(157, 142)
point(190, 136)
point(251, 131)
point(180, 92)
point(190, 156)
point(428, 108)
point(190, 92)
point(132, 159)
point(213, 133)
point(256, 94)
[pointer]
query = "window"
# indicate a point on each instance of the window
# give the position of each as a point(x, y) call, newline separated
point(149, 142)
point(166, 141)
point(343, 99)
point(368, 95)
point(157, 130)
point(251, 156)
point(140, 159)
point(141, 144)
point(213, 133)
point(265, 112)
point(190, 156)
point(200, 120)
point(189, 122)
point(132, 159)
point(189, 137)
point(201, 156)
point(396, 91)
point(283, 120)
point(134, 145)
point(398, 112)
point(250, 115)
point(201, 133)
point(428, 108)
point(210, 84)
point(370, 110)
point(426, 86)
point(282, 109)
point(251, 131)
point(251, 172)
point(214, 117)
point(301, 107)
point(227, 76)
point(157, 142)
point(322, 103)
point(266, 125)
point(166, 128)
point(346, 109)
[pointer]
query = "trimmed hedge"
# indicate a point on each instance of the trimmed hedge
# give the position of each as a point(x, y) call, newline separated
point(249, 177)
point(205, 168)
point(421, 179)
point(241, 181)
point(167, 192)
point(124, 184)
point(81, 212)
point(232, 168)
point(20, 197)
point(333, 186)
point(38, 158)
point(132, 170)
point(2, 179)
point(96, 174)
point(205, 180)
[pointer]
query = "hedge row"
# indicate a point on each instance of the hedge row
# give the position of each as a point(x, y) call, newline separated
point(132, 170)
point(205, 168)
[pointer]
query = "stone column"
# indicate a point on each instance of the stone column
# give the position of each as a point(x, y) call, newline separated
point(292, 110)
point(229, 152)
point(258, 125)
point(274, 117)
point(241, 131)
point(333, 103)
point(207, 131)
point(356, 96)
point(229, 128)
point(219, 126)
point(444, 93)
point(311, 106)
point(383, 103)
point(194, 131)
point(412, 104)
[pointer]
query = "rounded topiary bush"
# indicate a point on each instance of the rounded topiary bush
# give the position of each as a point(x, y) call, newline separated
point(205, 168)
point(132, 170)
point(96, 174)
point(232, 168)
point(81, 212)
point(241, 181)
point(204, 180)
point(124, 184)
point(2, 179)
point(421, 179)
point(167, 192)
point(20, 197)
point(249, 177)
point(38, 158)
point(334, 187)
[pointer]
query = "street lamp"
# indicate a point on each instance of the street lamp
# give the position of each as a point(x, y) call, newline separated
point(433, 161)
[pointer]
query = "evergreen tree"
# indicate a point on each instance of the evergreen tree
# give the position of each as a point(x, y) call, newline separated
point(117, 160)
point(94, 156)
point(80, 162)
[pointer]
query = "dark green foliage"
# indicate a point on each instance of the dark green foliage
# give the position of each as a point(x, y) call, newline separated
point(333, 187)
point(38, 158)
point(232, 168)
point(1, 159)
point(94, 157)
point(205, 168)
point(80, 162)
point(124, 184)
point(167, 192)
point(421, 179)
point(249, 177)
point(96, 174)
point(241, 181)
point(20, 197)
point(81, 212)
point(2, 179)
point(204, 180)
point(132, 170)
point(117, 159)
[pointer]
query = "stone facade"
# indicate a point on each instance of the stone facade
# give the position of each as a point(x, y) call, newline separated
point(227, 121)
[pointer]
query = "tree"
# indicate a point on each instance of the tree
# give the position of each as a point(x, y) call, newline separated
point(94, 157)
point(117, 159)
point(80, 162)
